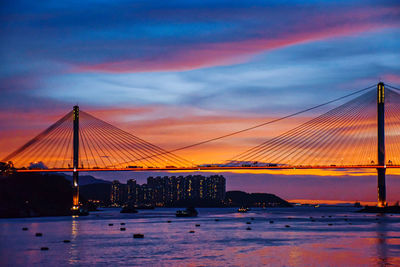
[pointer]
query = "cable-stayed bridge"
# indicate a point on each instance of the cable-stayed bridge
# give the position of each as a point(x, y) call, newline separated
point(364, 132)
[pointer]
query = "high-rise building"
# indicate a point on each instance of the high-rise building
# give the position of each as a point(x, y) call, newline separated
point(170, 191)
point(167, 191)
point(119, 193)
point(132, 191)
point(145, 194)
point(115, 191)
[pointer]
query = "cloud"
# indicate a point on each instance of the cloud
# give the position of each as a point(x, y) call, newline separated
point(37, 165)
point(228, 52)
point(156, 36)
point(392, 79)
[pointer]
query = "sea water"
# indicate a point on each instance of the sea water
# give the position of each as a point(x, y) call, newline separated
point(299, 236)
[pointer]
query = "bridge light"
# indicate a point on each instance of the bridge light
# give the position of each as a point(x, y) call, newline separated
point(381, 93)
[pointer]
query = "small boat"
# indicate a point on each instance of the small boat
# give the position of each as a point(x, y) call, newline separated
point(138, 235)
point(243, 209)
point(128, 209)
point(189, 212)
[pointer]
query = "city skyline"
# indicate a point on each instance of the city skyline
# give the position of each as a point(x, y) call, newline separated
point(169, 191)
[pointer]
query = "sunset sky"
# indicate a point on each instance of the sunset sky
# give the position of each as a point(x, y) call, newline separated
point(179, 72)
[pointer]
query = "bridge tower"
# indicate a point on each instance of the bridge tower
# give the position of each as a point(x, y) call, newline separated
point(381, 146)
point(75, 181)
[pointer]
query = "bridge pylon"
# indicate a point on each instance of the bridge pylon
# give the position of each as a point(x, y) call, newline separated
point(75, 180)
point(381, 145)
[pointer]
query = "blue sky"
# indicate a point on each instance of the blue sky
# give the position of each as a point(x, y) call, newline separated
point(216, 55)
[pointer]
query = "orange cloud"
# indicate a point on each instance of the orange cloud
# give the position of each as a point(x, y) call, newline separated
point(171, 132)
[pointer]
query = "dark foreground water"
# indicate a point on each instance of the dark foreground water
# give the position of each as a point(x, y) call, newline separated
point(336, 237)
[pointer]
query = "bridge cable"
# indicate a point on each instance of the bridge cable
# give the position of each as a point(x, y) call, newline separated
point(268, 122)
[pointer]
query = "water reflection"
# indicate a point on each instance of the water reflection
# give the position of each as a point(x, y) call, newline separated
point(73, 249)
point(74, 228)
point(316, 237)
point(381, 243)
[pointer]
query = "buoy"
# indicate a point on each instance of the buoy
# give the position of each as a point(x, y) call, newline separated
point(330, 224)
point(271, 221)
point(330, 216)
point(216, 220)
point(122, 223)
point(252, 218)
point(122, 229)
point(248, 228)
point(191, 231)
point(25, 229)
point(197, 225)
point(38, 234)
point(287, 226)
point(168, 221)
point(44, 248)
point(110, 224)
point(248, 222)
point(138, 235)
point(313, 220)
point(66, 241)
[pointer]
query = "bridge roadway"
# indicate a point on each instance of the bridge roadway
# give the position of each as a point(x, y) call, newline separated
point(213, 168)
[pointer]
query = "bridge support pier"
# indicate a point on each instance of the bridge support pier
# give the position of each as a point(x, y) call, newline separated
point(381, 187)
point(75, 181)
point(381, 146)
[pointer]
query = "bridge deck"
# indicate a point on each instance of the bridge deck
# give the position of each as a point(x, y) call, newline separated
point(214, 168)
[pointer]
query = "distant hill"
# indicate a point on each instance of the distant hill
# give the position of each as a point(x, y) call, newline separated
point(240, 198)
point(91, 188)
point(38, 194)
point(34, 194)
point(86, 179)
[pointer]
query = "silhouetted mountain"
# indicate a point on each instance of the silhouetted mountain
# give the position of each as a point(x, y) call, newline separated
point(91, 188)
point(34, 194)
point(240, 198)
point(86, 179)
